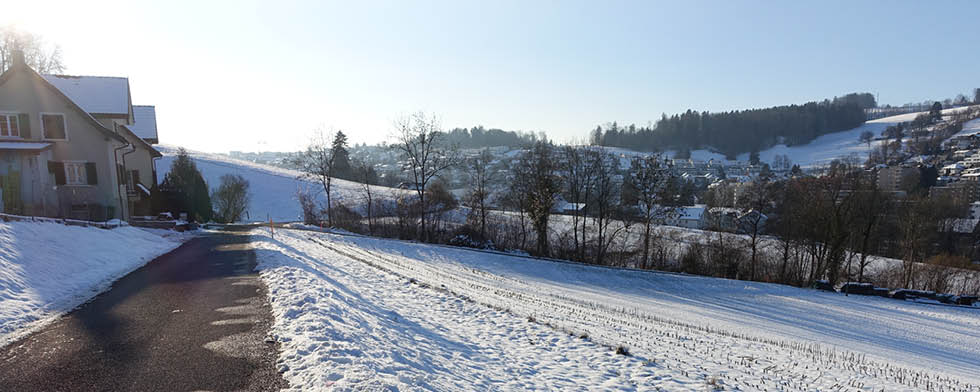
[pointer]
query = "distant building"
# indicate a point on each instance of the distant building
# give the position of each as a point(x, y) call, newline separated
point(691, 217)
point(962, 190)
point(895, 178)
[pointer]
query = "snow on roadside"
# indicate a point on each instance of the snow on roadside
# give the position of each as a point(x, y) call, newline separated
point(345, 325)
point(341, 319)
point(48, 269)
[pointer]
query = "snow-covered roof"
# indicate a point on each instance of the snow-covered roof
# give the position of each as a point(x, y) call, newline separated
point(143, 188)
point(21, 146)
point(145, 124)
point(95, 94)
point(691, 212)
point(964, 226)
point(563, 205)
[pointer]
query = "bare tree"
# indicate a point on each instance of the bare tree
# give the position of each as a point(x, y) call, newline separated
point(579, 180)
point(478, 196)
point(758, 200)
point(649, 178)
point(40, 56)
point(872, 206)
point(536, 177)
point(604, 201)
point(317, 164)
point(364, 173)
point(516, 199)
point(421, 142)
point(308, 204)
point(231, 198)
point(866, 138)
point(915, 234)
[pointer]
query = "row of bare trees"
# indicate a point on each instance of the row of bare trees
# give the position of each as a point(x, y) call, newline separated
point(799, 231)
point(38, 54)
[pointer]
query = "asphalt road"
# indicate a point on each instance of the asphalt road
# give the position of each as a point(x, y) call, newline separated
point(195, 319)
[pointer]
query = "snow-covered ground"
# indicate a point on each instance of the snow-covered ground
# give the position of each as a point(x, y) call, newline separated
point(355, 313)
point(47, 269)
point(273, 189)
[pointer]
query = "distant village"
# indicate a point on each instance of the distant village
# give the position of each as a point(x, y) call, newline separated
point(955, 166)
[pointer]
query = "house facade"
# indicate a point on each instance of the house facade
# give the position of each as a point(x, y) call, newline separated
point(67, 149)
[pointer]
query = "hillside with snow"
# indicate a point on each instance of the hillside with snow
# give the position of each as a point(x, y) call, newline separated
point(971, 127)
point(273, 189)
point(822, 150)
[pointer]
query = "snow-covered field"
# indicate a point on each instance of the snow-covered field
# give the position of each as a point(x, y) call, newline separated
point(47, 269)
point(273, 189)
point(356, 313)
point(824, 149)
point(971, 127)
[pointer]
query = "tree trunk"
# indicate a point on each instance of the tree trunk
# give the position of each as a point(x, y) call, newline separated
point(646, 243)
point(782, 269)
point(326, 187)
point(755, 243)
point(423, 235)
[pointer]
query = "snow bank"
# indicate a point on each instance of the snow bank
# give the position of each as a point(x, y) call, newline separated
point(347, 317)
point(345, 325)
point(47, 269)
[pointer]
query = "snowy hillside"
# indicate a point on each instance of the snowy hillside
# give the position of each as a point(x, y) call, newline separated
point(971, 127)
point(821, 151)
point(273, 188)
point(47, 269)
point(357, 313)
point(828, 147)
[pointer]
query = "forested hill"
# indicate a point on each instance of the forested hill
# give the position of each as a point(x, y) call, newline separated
point(736, 132)
point(479, 137)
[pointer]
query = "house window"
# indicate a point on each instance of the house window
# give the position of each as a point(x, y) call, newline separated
point(53, 126)
point(75, 173)
point(9, 126)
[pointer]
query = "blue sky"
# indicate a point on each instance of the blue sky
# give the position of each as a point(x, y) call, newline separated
point(263, 75)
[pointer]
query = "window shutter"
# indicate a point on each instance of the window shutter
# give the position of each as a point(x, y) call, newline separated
point(24, 122)
point(93, 178)
point(58, 169)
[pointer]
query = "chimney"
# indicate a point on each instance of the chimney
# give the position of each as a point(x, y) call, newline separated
point(17, 58)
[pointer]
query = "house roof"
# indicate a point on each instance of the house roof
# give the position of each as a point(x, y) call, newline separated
point(141, 142)
point(23, 146)
point(95, 94)
point(87, 115)
point(691, 212)
point(145, 124)
point(964, 226)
